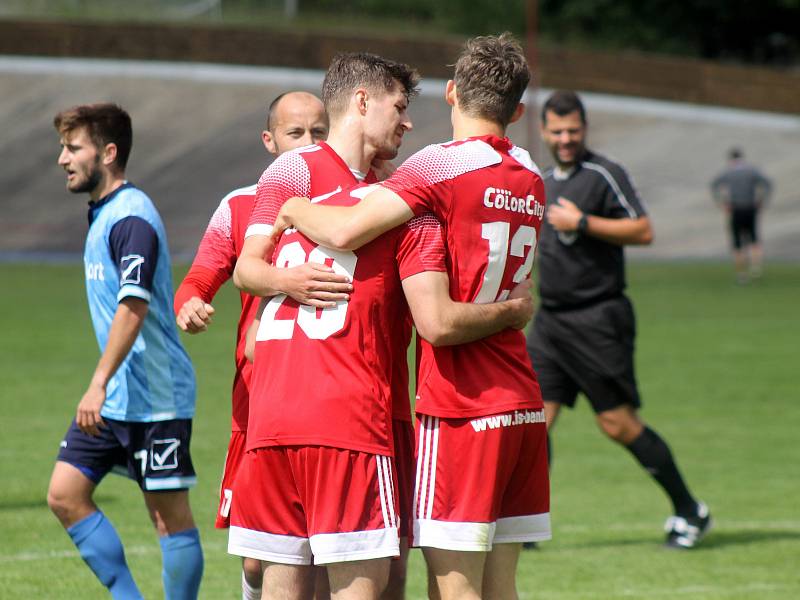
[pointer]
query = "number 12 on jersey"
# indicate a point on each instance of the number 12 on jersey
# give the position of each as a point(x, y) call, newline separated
point(330, 320)
point(497, 235)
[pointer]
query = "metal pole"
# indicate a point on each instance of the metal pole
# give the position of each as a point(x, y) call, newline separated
point(532, 52)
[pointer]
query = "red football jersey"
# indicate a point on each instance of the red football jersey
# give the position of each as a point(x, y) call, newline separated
point(490, 198)
point(212, 266)
point(315, 172)
point(291, 175)
point(327, 377)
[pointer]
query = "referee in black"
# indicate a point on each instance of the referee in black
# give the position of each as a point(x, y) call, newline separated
point(583, 336)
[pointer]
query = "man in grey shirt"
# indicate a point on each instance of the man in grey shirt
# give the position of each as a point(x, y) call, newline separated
point(741, 191)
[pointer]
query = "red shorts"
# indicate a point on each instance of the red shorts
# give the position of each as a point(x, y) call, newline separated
point(481, 481)
point(404, 468)
point(232, 461)
point(302, 504)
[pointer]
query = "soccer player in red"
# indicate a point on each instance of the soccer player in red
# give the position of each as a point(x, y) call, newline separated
point(319, 479)
point(482, 483)
point(294, 119)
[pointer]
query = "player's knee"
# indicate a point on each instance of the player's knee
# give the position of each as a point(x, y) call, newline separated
point(252, 572)
point(613, 428)
point(61, 505)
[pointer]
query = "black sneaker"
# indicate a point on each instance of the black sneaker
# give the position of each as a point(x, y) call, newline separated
point(529, 546)
point(684, 533)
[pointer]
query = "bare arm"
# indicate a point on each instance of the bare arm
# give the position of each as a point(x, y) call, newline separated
point(443, 322)
point(313, 284)
point(125, 326)
point(252, 330)
point(565, 216)
point(344, 228)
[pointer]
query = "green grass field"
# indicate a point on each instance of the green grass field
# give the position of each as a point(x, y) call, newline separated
point(718, 369)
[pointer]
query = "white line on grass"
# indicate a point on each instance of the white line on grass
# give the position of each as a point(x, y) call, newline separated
point(309, 78)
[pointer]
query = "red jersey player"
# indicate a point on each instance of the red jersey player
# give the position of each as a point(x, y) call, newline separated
point(482, 483)
point(318, 478)
point(294, 119)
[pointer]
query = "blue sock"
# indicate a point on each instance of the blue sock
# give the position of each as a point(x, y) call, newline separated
point(101, 548)
point(183, 564)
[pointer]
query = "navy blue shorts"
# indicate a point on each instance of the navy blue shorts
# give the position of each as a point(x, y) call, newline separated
point(155, 455)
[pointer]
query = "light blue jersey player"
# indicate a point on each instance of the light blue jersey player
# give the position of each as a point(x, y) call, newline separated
point(135, 415)
point(126, 256)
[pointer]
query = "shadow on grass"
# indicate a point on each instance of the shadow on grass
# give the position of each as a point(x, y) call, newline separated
point(40, 502)
point(720, 539)
point(715, 540)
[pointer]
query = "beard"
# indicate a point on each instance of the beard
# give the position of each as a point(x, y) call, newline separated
point(90, 183)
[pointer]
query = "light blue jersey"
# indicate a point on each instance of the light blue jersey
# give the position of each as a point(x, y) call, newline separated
point(126, 255)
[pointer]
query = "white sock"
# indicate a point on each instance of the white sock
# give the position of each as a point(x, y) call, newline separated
point(248, 591)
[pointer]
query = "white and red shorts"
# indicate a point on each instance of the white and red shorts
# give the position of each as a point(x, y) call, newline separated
point(232, 461)
point(300, 505)
point(403, 432)
point(481, 481)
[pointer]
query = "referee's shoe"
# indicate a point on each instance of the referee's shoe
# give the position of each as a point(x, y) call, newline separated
point(686, 532)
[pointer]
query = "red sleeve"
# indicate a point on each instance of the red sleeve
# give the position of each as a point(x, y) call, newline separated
point(423, 181)
point(288, 176)
point(412, 179)
point(421, 246)
point(213, 265)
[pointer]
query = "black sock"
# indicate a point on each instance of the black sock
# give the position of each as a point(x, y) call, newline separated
point(655, 456)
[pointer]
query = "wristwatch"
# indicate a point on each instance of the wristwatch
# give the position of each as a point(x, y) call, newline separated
point(583, 224)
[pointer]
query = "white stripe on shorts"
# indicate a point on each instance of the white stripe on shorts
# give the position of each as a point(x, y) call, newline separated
point(386, 490)
point(426, 467)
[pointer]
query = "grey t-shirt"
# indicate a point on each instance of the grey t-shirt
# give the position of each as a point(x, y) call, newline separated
point(578, 269)
point(741, 186)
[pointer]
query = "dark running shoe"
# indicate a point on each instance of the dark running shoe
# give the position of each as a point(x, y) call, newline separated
point(685, 533)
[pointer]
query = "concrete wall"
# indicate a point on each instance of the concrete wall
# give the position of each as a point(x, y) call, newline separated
point(196, 137)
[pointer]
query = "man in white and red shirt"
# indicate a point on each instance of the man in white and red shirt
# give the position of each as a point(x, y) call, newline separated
point(294, 119)
point(318, 476)
point(482, 485)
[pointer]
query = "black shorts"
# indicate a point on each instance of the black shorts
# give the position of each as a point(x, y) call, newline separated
point(155, 455)
point(743, 227)
point(589, 350)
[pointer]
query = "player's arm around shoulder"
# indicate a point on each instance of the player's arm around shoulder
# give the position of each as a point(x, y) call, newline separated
point(344, 228)
point(443, 322)
point(313, 284)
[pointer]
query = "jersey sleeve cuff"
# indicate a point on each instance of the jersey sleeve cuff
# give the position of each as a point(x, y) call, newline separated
point(133, 291)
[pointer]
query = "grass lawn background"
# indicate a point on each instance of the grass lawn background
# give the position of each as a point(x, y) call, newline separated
point(718, 369)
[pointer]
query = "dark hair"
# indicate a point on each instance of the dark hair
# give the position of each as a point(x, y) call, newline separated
point(491, 75)
point(564, 102)
point(735, 153)
point(106, 123)
point(351, 70)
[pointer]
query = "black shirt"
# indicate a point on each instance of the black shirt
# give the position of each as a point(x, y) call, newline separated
point(577, 269)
